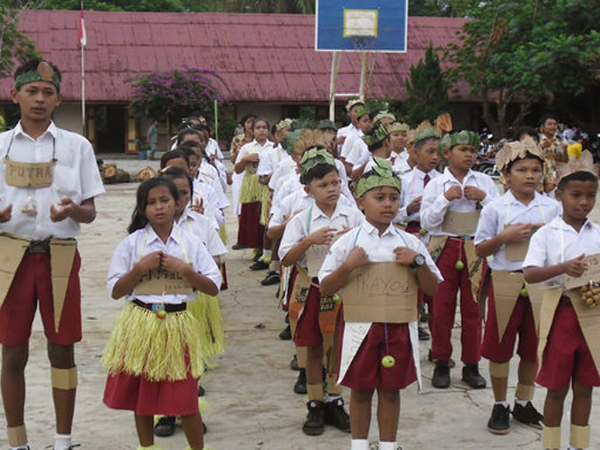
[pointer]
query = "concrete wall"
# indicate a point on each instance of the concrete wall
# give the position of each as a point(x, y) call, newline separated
point(69, 117)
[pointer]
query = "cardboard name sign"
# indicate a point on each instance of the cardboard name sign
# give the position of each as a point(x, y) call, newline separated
point(158, 282)
point(315, 256)
point(26, 174)
point(461, 223)
point(507, 287)
point(252, 167)
point(381, 292)
point(516, 251)
point(592, 273)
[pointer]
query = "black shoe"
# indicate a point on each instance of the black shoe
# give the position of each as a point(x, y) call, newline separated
point(294, 363)
point(300, 386)
point(239, 247)
point(430, 358)
point(441, 375)
point(286, 334)
point(271, 279)
point(256, 257)
point(165, 426)
point(528, 415)
point(336, 415)
point(471, 376)
point(423, 335)
point(201, 391)
point(499, 422)
point(259, 265)
point(315, 420)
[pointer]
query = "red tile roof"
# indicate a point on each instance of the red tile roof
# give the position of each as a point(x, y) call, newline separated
point(262, 57)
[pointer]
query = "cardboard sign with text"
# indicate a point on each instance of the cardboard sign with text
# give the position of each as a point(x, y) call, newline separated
point(24, 174)
point(381, 292)
point(461, 223)
point(592, 273)
point(158, 282)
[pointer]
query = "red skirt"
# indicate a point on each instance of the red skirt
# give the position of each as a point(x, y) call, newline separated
point(250, 231)
point(147, 398)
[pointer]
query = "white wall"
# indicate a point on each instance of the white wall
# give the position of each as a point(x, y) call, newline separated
point(69, 118)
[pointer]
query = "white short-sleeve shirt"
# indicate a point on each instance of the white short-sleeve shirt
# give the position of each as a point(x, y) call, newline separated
point(179, 244)
point(313, 219)
point(270, 159)
point(201, 227)
point(507, 210)
point(75, 175)
point(378, 248)
point(413, 185)
point(434, 204)
point(558, 241)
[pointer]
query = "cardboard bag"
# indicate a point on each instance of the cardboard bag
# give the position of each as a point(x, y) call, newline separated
point(298, 296)
point(13, 249)
point(551, 296)
point(507, 287)
point(516, 251)
point(589, 321)
point(62, 253)
point(592, 273)
point(477, 269)
point(381, 292)
point(436, 245)
point(159, 282)
point(461, 223)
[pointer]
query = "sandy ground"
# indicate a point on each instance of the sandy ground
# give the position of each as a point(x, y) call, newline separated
point(251, 402)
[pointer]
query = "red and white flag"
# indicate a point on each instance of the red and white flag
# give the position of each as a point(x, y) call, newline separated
point(82, 35)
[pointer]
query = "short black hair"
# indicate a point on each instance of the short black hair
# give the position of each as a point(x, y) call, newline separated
point(174, 173)
point(318, 172)
point(184, 132)
point(527, 131)
point(527, 156)
point(421, 142)
point(173, 154)
point(582, 175)
point(33, 64)
point(546, 117)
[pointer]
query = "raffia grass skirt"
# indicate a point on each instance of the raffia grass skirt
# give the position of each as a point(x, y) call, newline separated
point(207, 312)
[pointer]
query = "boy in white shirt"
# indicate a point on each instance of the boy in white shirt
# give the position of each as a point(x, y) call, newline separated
point(450, 212)
point(317, 226)
point(381, 356)
point(504, 230)
point(558, 249)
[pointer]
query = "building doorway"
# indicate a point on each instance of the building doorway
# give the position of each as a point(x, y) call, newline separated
point(110, 128)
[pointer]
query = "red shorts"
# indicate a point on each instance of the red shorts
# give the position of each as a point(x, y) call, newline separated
point(308, 331)
point(567, 354)
point(521, 324)
point(31, 285)
point(146, 398)
point(366, 372)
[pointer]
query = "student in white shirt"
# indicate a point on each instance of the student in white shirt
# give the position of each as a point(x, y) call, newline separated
point(558, 249)
point(317, 225)
point(446, 200)
point(344, 132)
point(36, 215)
point(381, 356)
point(362, 154)
point(506, 223)
point(153, 356)
point(363, 124)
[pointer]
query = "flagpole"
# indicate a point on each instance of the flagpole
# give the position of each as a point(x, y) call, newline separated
point(83, 123)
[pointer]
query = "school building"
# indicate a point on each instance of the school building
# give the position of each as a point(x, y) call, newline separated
point(268, 61)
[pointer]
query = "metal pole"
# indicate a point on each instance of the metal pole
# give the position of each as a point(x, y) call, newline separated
point(216, 121)
point(363, 74)
point(335, 64)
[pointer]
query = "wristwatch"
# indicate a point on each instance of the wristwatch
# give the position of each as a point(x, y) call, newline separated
point(418, 261)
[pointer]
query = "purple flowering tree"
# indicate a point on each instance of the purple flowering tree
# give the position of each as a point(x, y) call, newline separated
point(173, 95)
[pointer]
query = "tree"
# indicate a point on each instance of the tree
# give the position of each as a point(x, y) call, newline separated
point(175, 94)
point(427, 91)
point(13, 43)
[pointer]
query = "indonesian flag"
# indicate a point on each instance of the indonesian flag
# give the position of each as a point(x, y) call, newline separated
point(82, 35)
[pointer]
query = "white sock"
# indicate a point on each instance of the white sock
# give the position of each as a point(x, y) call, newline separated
point(332, 398)
point(20, 447)
point(62, 441)
point(266, 252)
point(359, 444)
point(387, 445)
point(521, 402)
point(504, 403)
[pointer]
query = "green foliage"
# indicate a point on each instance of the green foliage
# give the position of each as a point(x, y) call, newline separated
point(427, 91)
point(13, 43)
point(116, 5)
point(175, 94)
point(227, 129)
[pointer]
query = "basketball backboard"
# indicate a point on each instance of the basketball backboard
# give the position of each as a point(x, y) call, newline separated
point(361, 25)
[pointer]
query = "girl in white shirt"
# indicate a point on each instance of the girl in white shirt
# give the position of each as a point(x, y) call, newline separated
point(153, 355)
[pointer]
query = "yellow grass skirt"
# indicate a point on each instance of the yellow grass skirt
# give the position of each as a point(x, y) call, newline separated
point(141, 344)
point(207, 312)
point(265, 207)
point(252, 189)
